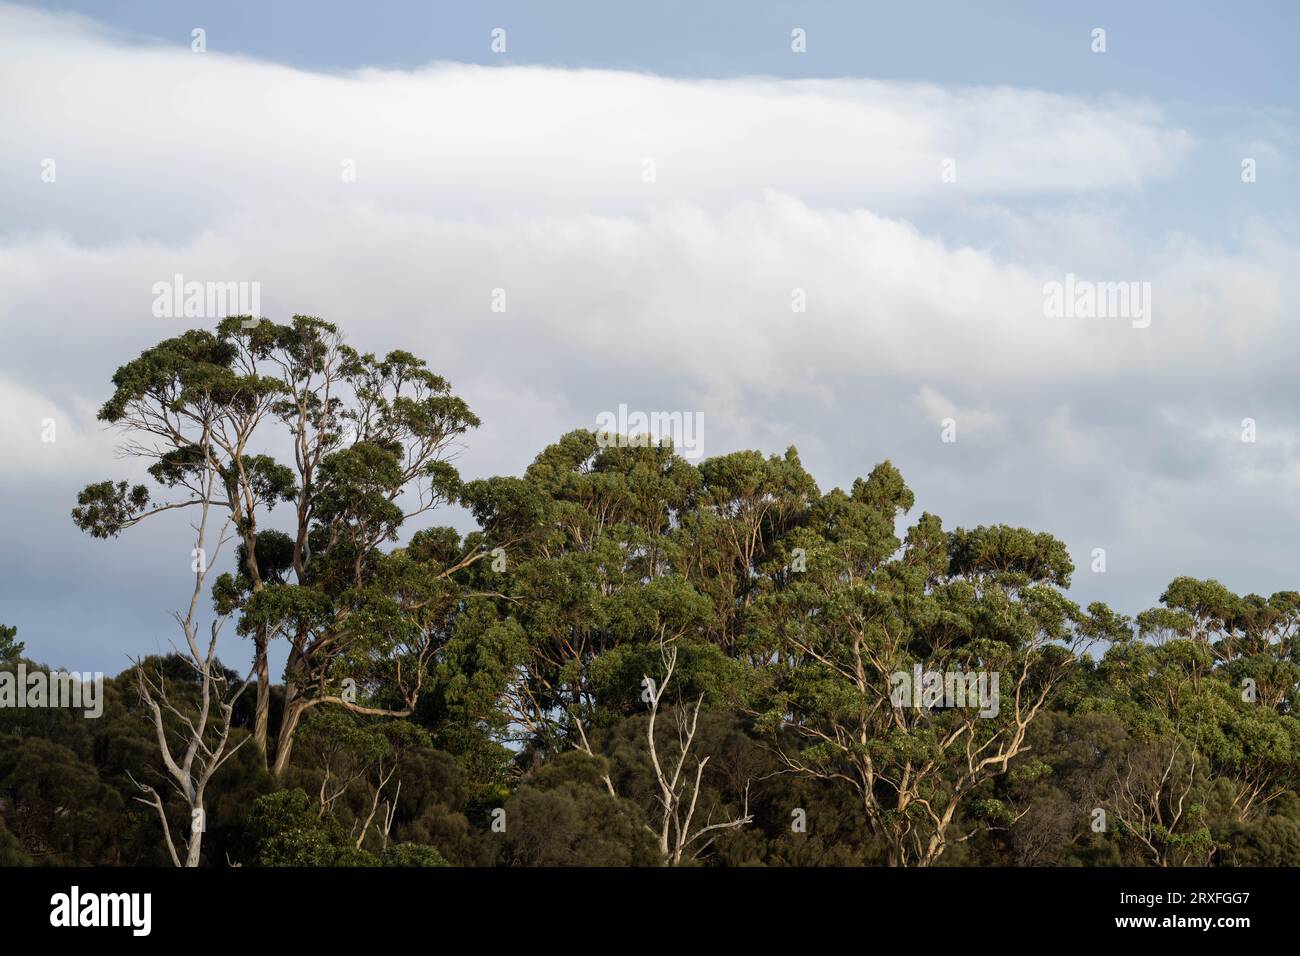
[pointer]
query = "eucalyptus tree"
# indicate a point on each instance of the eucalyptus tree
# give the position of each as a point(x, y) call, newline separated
point(979, 616)
point(193, 741)
point(588, 527)
point(190, 401)
point(369, 441)
point(1218, 671)
point(745, 504)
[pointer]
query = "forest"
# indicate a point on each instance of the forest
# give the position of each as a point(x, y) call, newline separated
point(632, 660)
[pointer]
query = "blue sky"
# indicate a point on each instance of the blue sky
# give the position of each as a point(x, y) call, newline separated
point(1208, 54)
point(776, 171)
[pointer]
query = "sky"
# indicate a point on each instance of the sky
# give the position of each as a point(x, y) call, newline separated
point(654, 187)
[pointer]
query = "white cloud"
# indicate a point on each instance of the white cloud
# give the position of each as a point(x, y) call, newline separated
point(156, 138)
point(938, 407)
point(44, 436)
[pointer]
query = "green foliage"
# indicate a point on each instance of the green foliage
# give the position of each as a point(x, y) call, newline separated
point(619, 610)
point(287, 830)
point(10, 647)
point(563, 817)
point(411, 854)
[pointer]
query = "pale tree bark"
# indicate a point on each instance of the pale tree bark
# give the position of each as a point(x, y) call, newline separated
point(390, 807)
point(161, 426)
point(679, 790)
point(915, 828)
point(1151, 797)
point(192, 754)
point(680, 837)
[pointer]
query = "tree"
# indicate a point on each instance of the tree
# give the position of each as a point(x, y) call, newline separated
point(586, 531)
point(1154, 799)
point(967, 611)
point(633, 660)
point(10, 648)
point(370, 440)
point(562, 815)
point(679, 788)
point(192, 402)
point(56, 808)
point(195, 741)
point(1217, 672)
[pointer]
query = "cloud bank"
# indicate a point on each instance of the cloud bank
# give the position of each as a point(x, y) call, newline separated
point(785, 257)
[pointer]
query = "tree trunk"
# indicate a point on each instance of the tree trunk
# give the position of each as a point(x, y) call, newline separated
point(194, 847)
point(294, 708)
point(262, 716)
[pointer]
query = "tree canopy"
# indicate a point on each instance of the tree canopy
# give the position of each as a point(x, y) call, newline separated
point(630, 659)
